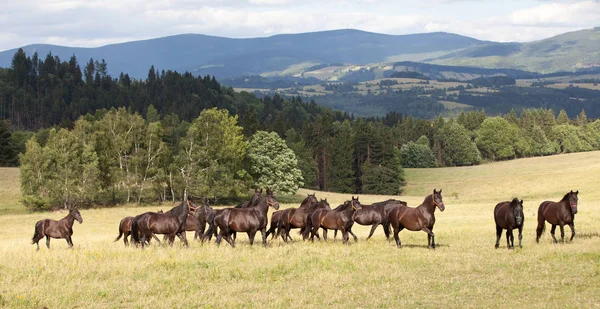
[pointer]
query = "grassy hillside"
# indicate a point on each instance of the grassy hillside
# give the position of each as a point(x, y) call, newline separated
point(566, 52)
point(465, 271)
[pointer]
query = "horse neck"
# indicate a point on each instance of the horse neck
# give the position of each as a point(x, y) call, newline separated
point(262, 206)
point(69, 219)
point(428, 205)
point(310, 204)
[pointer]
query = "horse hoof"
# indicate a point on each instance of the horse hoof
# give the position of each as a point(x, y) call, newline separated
point(496, 246)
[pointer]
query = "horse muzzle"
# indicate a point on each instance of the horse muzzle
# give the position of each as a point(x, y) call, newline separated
point(574, 208)
point(441, 206)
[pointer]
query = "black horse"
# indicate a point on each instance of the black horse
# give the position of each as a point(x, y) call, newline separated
point(509, 216)
point(62, 228)
point(558, 213)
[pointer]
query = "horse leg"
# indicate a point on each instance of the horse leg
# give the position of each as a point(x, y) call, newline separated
point(345, 236)
point(251, 235)
point(183, 237)
point(125, 240)
point(263, 233)
point(324, 234)
point(520, 235)
point(48, 241)
point(540, 229)
point(562, 231)
point(397, 230)
point(509, 239)
point(155, 238)
point(355, 238)
point(335, 234)
point(498, 235)
point(552, 232)
point(372, 230)
point(69, 241)
point(430, 237)
point(572, 226)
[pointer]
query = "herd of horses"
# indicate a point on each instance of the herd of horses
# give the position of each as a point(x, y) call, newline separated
point(312, 214)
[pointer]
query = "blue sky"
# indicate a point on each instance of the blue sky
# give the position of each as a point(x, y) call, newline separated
point(90, 23)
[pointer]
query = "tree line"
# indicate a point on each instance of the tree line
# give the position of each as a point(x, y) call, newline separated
point(165, 153)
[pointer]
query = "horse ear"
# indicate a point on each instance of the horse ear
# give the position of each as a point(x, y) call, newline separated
point(440, 192)
point(521, 202)
point(577, 192)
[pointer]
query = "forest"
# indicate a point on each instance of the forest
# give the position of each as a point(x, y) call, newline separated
point(83, 136)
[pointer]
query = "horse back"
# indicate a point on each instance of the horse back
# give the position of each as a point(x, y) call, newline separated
point(53, 228)
point(369, 214)
point(412, 219)
point(163, 223)
point(246, 219)
point(555, 212)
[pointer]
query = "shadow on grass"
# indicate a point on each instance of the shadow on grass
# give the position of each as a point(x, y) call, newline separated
point(587, 235)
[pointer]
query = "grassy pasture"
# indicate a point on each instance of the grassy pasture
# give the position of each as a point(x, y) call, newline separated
point(464, 271)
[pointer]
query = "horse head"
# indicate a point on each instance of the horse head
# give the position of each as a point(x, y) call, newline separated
point(355, 203)
point(309, 201)
point(573, 200)
point(75, 213)
point(517, 208)
point(437, 199)
point(271, 201)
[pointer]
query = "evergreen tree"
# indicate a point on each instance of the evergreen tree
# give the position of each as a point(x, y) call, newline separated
point(341, 173)
point(7, 155)
point(456, 146)
point(562, 117)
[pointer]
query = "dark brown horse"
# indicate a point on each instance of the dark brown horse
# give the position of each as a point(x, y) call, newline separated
point(210, 216)
point(62, 228)
point(253, 198)
point(341, 218)
point(296, 217)
point(376, 214)
point(509, 216)
point(202, 215)
point(249, 220)
point(172, 223)
point(558, 213)
point(125, 230)
point(275, 228)
point(420, 218)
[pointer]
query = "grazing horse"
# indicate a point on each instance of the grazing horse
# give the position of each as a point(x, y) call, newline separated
point(249, 220)
point(172, 223)
point(509, 216)
point(125, 229)
point(62, 228)
point(420, 218)
point(296, 217)
point(340, 218)
point(558, 213)
point(375, 214)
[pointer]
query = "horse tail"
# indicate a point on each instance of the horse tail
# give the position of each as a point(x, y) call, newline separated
point(120, 230)
point(134, 230)
point(307, 227)
point(541, 227)
point(37, 232)
point(211, 226)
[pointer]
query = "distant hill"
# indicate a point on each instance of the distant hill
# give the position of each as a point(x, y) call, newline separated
point(566, 52)
point(226, 57)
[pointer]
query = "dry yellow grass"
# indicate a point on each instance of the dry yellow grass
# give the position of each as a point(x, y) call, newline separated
point(464, 271)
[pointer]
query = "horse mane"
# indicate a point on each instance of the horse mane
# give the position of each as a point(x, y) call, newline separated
point(428, 199)
point(342, 207)
point(567, 196)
